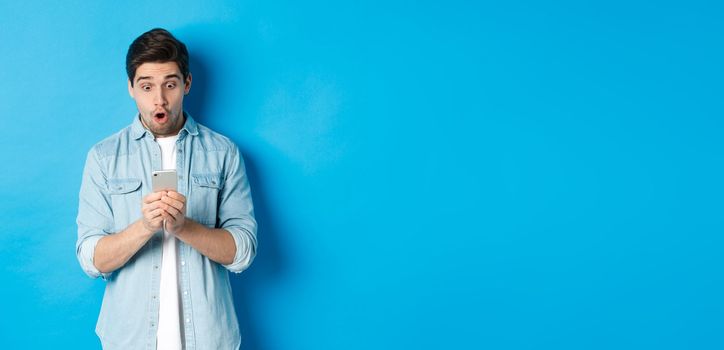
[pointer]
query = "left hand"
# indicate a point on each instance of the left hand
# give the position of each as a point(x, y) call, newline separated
point(174, 211)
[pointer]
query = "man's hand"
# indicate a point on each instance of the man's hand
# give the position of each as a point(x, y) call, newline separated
point(152, 212)
point(164, 205)
point(174, 210)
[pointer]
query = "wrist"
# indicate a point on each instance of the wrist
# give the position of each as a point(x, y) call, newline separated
point(144, 231)
point(184, 229)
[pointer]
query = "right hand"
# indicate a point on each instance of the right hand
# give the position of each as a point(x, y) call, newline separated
point(152, 212)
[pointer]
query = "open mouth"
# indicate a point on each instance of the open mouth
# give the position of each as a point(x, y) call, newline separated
point(160, 117)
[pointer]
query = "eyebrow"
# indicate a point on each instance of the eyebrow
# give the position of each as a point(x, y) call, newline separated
point(164, 78)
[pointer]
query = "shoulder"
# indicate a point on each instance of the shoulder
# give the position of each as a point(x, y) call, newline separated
point(212, 141)
point(114, 145)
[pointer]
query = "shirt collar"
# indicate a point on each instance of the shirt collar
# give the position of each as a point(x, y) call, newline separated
point(138, 130)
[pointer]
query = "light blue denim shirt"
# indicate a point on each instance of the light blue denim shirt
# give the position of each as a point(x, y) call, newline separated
point(212, 176)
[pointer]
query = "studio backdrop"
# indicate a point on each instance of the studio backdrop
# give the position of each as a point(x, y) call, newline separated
point(425, 174)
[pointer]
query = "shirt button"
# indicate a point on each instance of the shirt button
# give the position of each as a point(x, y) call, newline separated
point(188, 320)
point(186, 293)
point(183, 263)
point(155, 266)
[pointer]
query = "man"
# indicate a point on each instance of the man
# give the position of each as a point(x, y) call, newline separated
point(165, 255)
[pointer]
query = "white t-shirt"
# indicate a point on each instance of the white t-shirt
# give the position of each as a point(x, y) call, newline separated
point(168, 336)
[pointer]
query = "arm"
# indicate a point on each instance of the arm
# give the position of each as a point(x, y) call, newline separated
point(95, 218)
point(234, 243)
point(113, 251)
point(236, 212)
point(98, 250)
point(217, 244)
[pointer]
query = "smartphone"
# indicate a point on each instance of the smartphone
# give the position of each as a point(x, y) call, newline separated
point(164, 180)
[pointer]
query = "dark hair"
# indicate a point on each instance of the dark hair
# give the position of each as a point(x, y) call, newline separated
point(156, 45)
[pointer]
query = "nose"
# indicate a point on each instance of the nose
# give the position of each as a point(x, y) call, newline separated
point(159, 99)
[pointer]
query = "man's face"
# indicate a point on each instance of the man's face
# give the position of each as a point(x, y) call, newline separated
point(159, 90)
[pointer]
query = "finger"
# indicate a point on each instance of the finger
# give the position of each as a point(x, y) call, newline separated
point(171, 210)
point(177, 196)
point(169, 220)
point(154, 223)
point(152, 197)
point(147, 208)
point(155, 204)
point(154, 214)
point(158, 221)
point(166, 216)
point(173, 202)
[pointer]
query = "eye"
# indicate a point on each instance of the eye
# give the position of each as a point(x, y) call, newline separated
point(146, 87)
point(170, 85)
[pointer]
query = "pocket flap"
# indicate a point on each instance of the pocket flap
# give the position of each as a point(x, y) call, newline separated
point(121, 186)
point(207, 180)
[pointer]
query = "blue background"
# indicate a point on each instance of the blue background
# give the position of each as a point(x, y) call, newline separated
point(428, 175)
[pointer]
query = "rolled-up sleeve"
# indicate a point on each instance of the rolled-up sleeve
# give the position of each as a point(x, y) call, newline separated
point(95, 218)
point(236, 212)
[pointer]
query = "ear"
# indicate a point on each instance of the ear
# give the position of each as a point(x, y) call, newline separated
point(130, 89)
point(187, 85)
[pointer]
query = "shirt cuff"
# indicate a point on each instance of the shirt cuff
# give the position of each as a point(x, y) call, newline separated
point(87, 252)
point(245, 249)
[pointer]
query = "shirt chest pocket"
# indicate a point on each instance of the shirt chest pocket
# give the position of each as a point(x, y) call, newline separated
point(204, 201)
point(125, 196)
